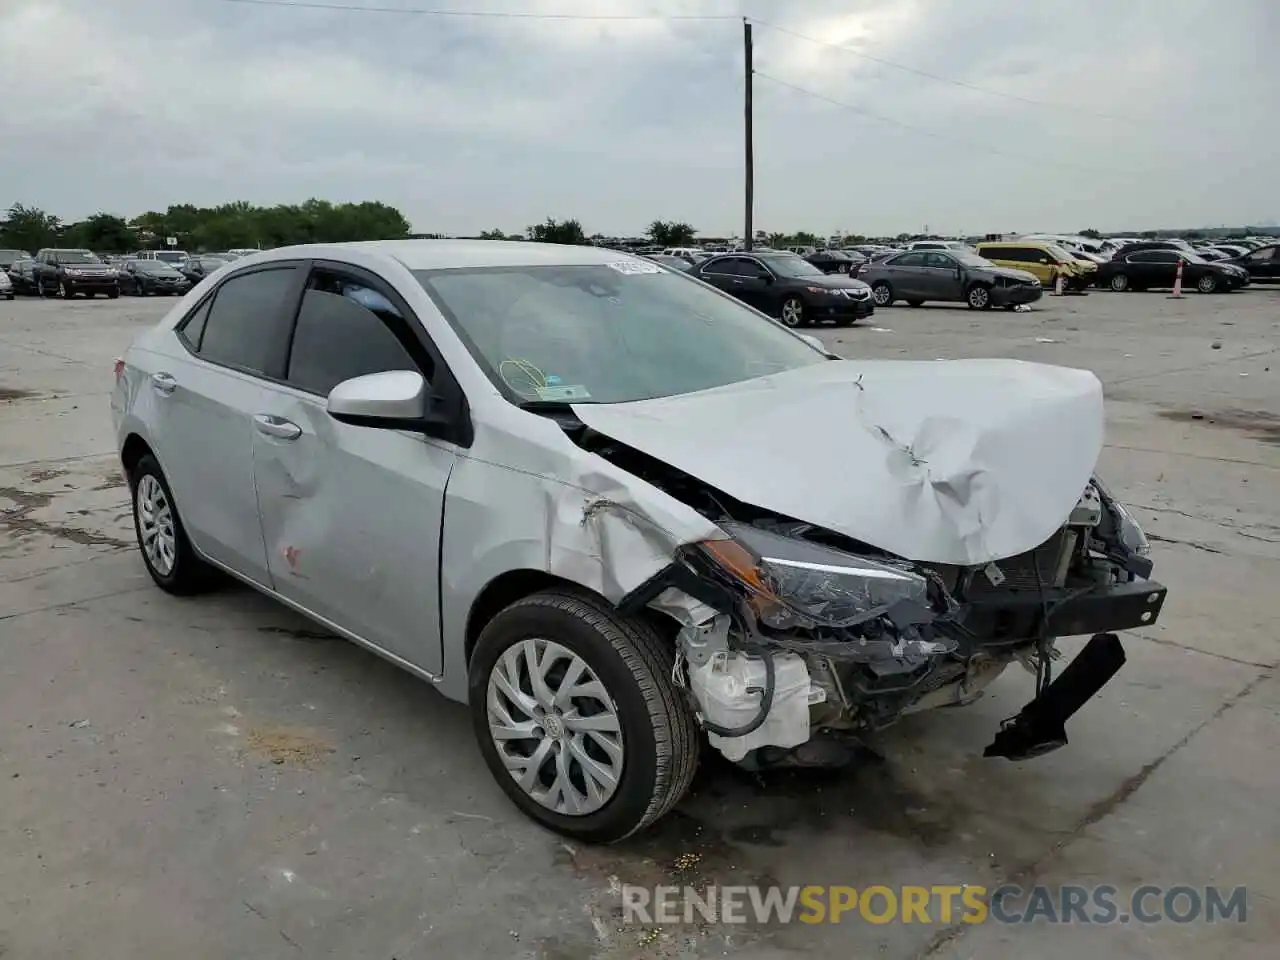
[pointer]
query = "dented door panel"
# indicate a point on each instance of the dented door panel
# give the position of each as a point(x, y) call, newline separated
point(351, 519)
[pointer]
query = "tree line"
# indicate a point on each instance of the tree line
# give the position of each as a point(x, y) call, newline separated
point(224, 227)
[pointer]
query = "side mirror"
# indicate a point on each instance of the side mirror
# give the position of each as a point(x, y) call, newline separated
point(395, 400)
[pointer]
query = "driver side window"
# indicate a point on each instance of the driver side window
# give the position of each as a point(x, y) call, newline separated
point(347, 328)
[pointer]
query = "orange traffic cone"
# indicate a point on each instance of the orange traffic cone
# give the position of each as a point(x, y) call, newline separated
point(1177, 284)
point(1057, 286)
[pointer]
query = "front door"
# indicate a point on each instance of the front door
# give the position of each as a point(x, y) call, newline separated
point(941, 277)
point(352, 515)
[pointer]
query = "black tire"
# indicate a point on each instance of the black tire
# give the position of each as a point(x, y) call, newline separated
point(659, 732)
point(915, 303)
point(882, 293)
point(978, 296)
point(65, 292)
point(190, 574)
point(113, 294)
point(1208, 283)
point(1119, 283)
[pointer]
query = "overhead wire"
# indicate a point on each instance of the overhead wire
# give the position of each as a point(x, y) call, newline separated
point(938, 78)
point(484, 14)
point(973, 144)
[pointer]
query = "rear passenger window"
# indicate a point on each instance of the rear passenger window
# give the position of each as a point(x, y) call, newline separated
point(347, 329)
point(244, 323)
point(192, 328)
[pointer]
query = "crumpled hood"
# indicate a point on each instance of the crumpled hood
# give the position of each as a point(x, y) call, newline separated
point(955, 461)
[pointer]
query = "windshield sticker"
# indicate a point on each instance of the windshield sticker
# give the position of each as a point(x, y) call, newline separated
point(633, 268)
point(568, 392)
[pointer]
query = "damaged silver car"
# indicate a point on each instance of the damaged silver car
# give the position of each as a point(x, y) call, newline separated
point(616, 511)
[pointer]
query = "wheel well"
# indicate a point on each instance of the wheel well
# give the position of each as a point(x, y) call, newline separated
point(514, 585)
point(135, 448)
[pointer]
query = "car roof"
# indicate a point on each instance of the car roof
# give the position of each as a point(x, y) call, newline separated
point(453, 254)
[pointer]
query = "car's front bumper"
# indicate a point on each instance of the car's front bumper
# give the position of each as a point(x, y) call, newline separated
point(1012, 296)
point(1010, 616)
point(90, 284)
point(841, 308)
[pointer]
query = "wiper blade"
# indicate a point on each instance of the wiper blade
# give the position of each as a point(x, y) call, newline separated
point(539, 406)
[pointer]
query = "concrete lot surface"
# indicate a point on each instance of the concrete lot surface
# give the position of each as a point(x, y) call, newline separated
point(218, 778)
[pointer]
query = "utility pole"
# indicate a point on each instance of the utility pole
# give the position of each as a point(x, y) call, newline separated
point(749, 156)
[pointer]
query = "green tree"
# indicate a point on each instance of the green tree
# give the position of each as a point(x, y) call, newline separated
point(776, 239)
point(29, 228)
point(1091, 233)
point(558, 231)
point(102, 233)
point(671, 233)
point(492, 235)
point(805, 239)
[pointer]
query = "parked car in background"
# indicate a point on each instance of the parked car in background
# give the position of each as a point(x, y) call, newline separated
point(1148, 269)
point(1211, 254)
point(175, 258)
point(22, 275)
point(675, 263)
point(146, 278)
point(1046, 261)
point(197, 268)
point(830, 261)
point(1090, 256)
point(6, 286)
point(691, 254)
point(1262, 264)
point(9, 257)
point(1232, 250)
point(71, 272)
point(938, 245)
point(918, 276)
point(788, 287)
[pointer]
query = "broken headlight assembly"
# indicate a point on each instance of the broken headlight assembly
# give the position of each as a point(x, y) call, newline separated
point(796, 584)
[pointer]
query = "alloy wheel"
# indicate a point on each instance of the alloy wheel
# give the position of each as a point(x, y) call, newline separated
point(1207, 284)
point(882, 294)
point(793, 313)
point(979, 298)
point(555, 727)
point(155, 524)
point(1119, 283)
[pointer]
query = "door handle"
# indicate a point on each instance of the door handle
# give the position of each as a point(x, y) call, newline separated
point(277, 427)
point(163, 383)
point(736, 283)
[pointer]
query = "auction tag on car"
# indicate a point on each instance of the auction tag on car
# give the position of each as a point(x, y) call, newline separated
point(994, 574)
point(568, 392)
point(632, 268)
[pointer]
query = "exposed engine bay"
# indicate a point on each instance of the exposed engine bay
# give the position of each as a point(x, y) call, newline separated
point(810, 640)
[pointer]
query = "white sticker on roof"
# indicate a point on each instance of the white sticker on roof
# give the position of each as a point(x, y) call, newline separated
point(634, 267)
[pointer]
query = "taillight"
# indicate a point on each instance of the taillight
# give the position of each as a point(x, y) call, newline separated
point(119, 367)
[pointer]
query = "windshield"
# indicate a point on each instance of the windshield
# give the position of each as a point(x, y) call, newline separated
point(607, 333)
point(792, 266)
point(155, 266)
point(171, 256)
point(75, 256)
point(1192, 257)
point(1058, 253)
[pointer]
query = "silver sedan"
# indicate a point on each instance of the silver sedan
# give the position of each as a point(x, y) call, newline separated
point(608, 506)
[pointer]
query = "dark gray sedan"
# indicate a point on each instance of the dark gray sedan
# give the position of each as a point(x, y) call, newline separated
point(948, 275)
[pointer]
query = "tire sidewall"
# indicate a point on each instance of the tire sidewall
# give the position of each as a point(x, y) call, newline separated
point(969, 294)
point(635, 791)
point(782, 313)
point(1119, 283)
point(888, 299)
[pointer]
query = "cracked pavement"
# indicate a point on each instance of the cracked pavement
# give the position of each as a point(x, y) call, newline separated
point(216, 777)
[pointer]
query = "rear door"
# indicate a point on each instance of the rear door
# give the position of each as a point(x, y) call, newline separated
point(1263, 264)
point(352, 515)
point(1155, 268)
point(206, 394)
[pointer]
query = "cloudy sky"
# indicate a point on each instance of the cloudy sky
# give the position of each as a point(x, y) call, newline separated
point(965, 115)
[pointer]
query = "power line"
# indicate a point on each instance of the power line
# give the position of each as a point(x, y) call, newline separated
point(931, 133)
point(487, 14)
point(948, 80)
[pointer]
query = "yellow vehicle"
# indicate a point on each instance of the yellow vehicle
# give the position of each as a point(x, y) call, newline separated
point(1047, 261)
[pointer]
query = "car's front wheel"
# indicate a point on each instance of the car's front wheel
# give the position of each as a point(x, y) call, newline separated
point(166, 551)
point(882, 293)
point(1207, 284)
point(1119, 283)
point(793, 312)
point(979, 297)
point(577, 716)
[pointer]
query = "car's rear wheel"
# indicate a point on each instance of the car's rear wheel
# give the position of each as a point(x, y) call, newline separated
point(882, 293)
point(978, 297)
point(1207, 284)
point(166, 550)
point(577, 717)
point(793, 313)
point(1119, 283)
